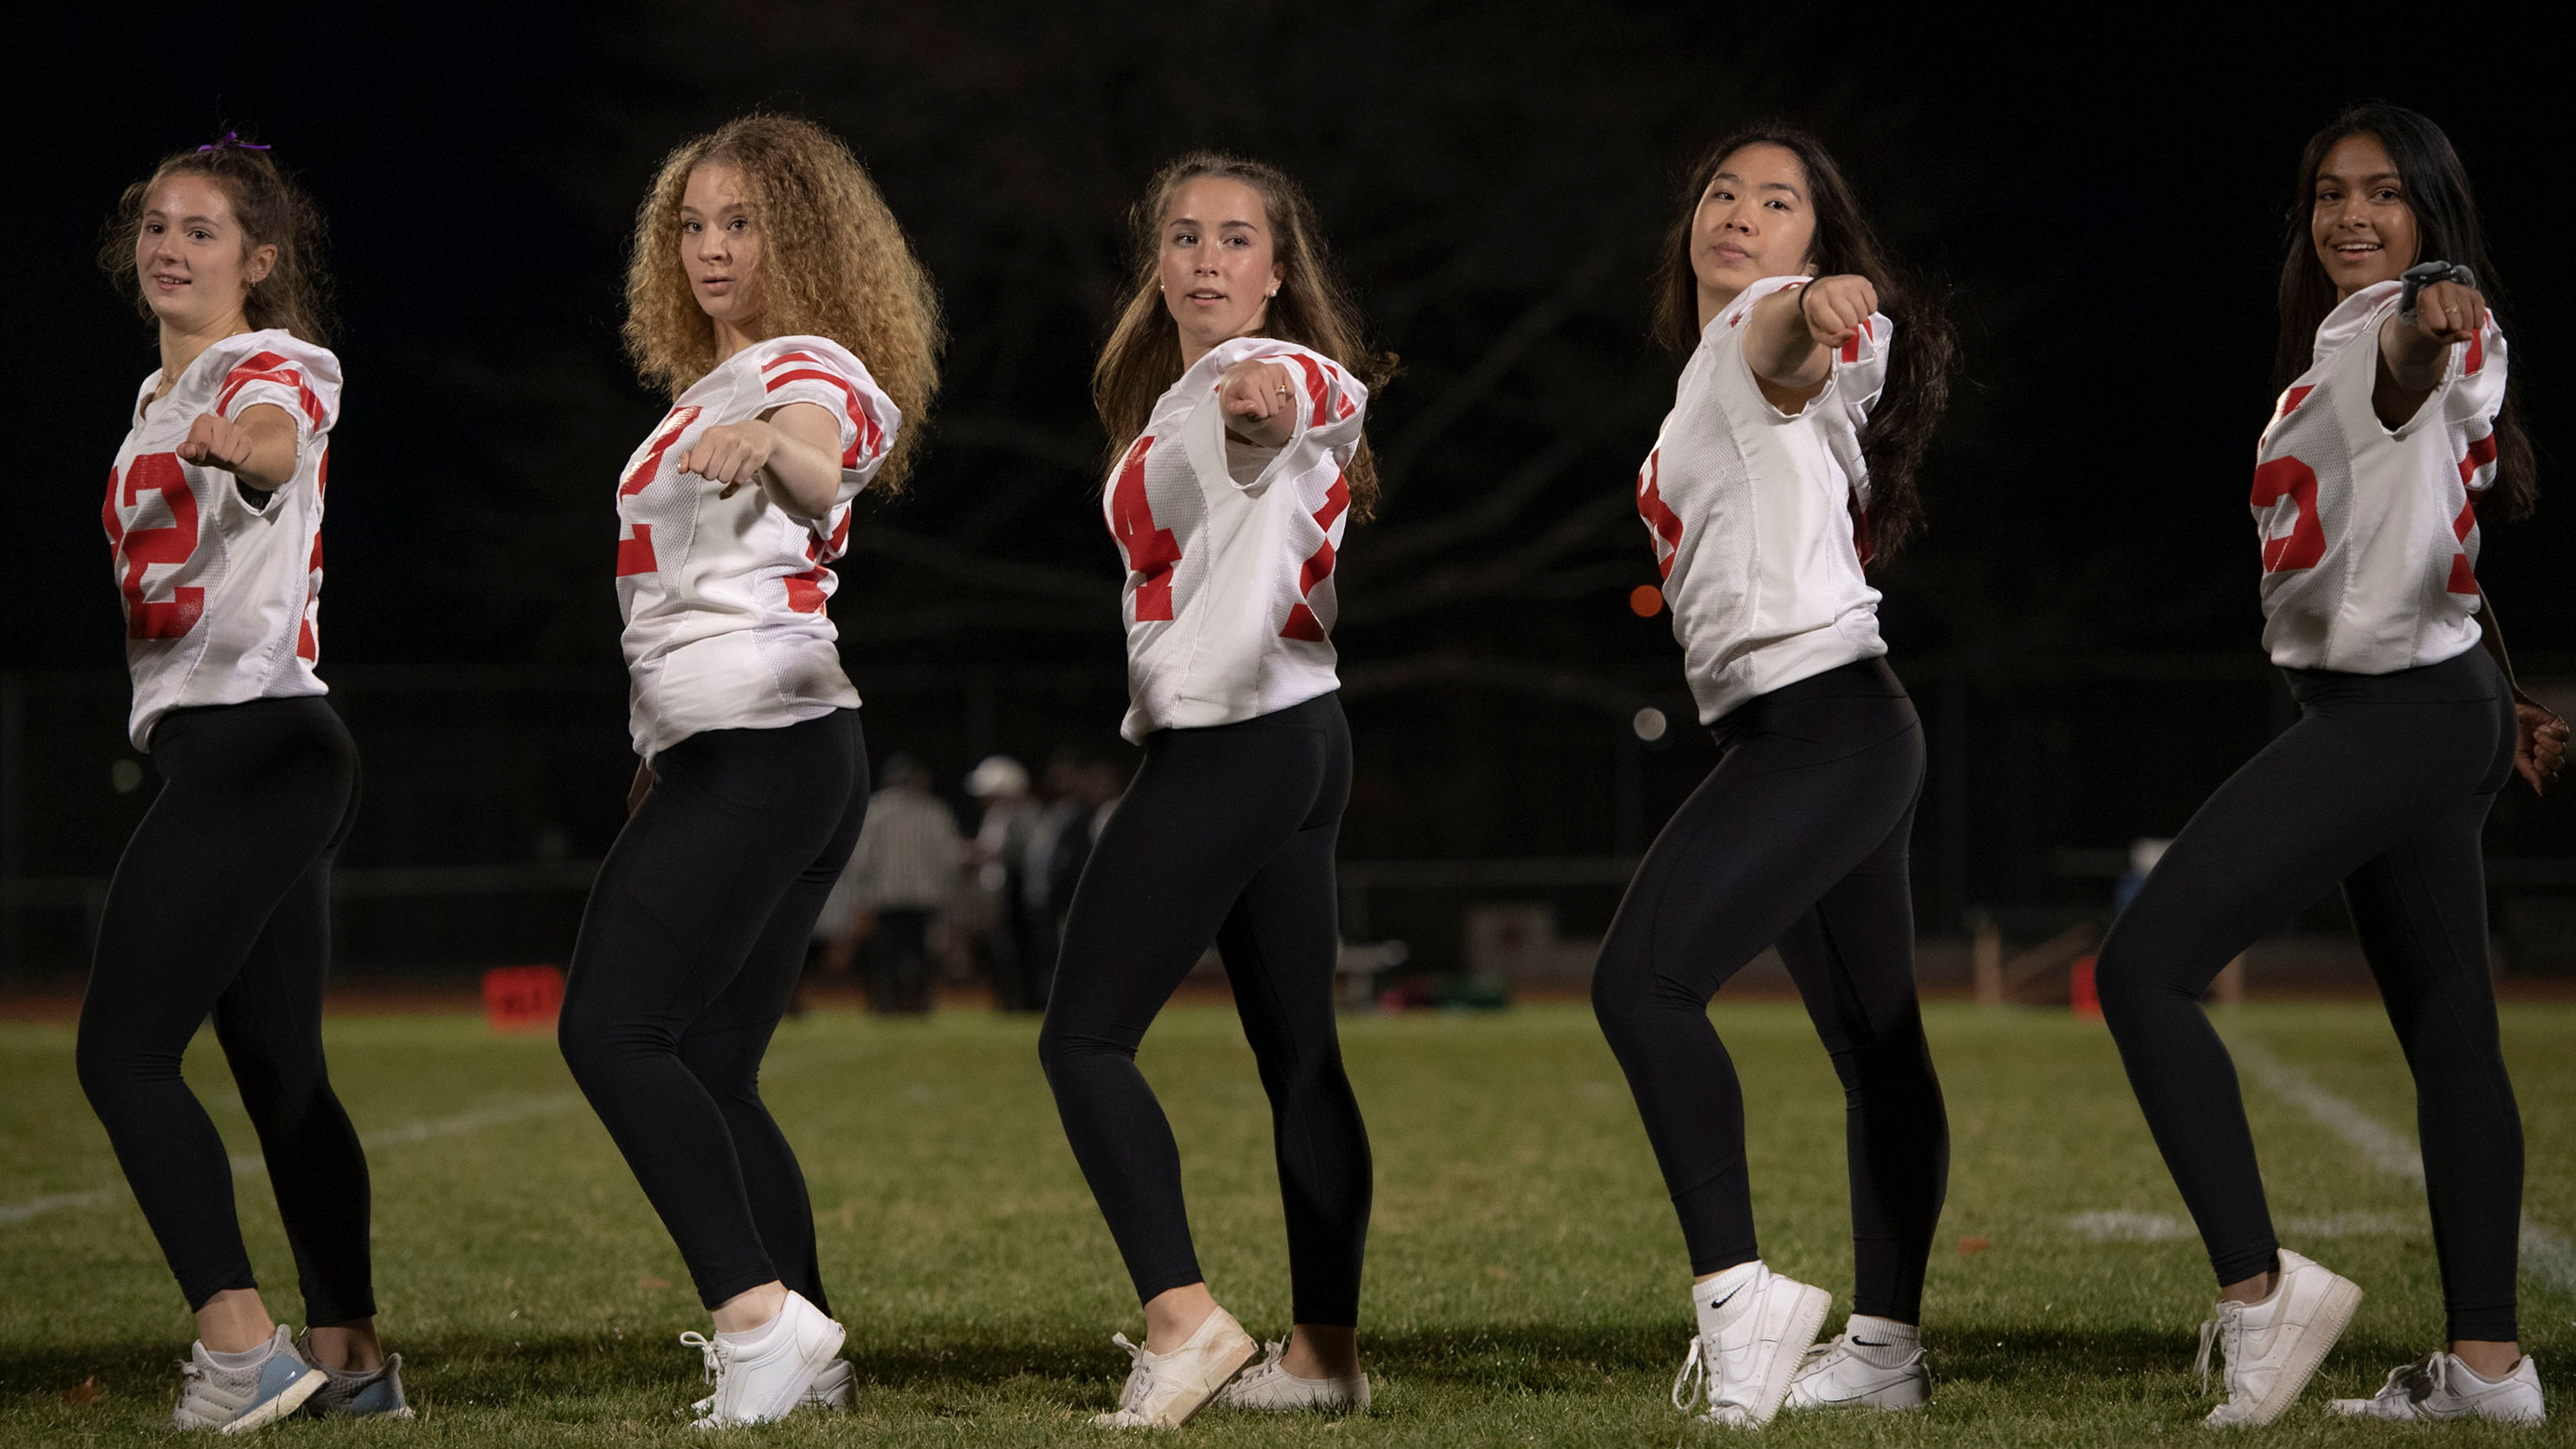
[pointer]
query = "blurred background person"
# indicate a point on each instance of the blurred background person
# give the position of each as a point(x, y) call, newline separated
point(998, 858)
point(903, 873)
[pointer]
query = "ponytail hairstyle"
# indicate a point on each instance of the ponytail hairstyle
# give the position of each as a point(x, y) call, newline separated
point(833, 263)
point(1926, 345)
point(1314, 309)
point(2436, 188)
point(273, 211)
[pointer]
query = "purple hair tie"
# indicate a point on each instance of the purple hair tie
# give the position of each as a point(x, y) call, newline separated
point(232, 139)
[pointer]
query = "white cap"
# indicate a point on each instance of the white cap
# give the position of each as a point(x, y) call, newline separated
point(998, 775)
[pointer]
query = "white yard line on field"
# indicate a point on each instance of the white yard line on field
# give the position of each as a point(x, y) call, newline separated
point(2129, 1226)
point(2547, 1256)
point(249, 1164)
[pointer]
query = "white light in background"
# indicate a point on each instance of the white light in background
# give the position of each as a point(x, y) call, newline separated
point(1649, 724)
point(126, 776)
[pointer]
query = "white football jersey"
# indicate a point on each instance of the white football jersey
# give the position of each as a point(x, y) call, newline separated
point(2370, 534)
point(724, 597)
point(222, 597)
point(1759, 517)
point(1229, 598)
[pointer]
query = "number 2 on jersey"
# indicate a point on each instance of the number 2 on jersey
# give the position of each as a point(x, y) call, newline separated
point(2305, 543)
point(1151, 552)
point(144, 547)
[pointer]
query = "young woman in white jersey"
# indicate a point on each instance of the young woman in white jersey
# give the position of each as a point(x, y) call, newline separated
point(1234, 389)
point(221, 903)
point(2393, 436)
point(773, 296)
point(1788, 460)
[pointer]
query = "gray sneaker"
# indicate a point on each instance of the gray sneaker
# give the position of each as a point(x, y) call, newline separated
point(240, 1400)
point(376, 1393)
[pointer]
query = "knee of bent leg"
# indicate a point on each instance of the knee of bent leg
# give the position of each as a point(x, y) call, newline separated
point(1627, 994)
point(107, 1062)
point(2128, 988)
point(1063, 1046)
point(592, 1040)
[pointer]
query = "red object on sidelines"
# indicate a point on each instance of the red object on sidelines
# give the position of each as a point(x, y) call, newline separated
point(522, 998)
point(2087, 1002)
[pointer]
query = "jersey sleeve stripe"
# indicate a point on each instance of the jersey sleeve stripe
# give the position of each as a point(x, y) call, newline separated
point(866, 441)
point(269, 367)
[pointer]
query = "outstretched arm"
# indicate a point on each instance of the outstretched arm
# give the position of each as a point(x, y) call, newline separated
point(2413, 355)
point(794, 452)
point(2539, 734)
point(258, 447)
point(1259, 399)
point(1791, 336)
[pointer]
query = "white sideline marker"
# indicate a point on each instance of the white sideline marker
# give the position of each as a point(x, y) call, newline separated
point(2546, 1256)
point(249, 1164)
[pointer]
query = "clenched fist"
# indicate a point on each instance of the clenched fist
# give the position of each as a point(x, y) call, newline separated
point(1834, 307)
point(1259, 400)
point(216, 441)
point(731, 454)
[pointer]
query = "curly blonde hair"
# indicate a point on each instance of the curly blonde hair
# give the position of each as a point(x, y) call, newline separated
point(834, 263)
point(1312, 309)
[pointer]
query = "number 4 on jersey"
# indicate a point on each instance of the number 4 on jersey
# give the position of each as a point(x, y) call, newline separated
point(1151, 552)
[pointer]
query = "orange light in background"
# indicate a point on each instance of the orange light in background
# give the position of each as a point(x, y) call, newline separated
point(1645, 601)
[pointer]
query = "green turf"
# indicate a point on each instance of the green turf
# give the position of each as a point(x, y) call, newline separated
point(1526, 1280)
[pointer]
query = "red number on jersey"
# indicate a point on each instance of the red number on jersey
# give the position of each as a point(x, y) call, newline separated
point(2305, 543)
point(144, 547)
point(1151, 552)
point(1664, 524)
point(660, 443)
point(635, 552)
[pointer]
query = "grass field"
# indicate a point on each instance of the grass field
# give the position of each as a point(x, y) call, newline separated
point(1526, 1280)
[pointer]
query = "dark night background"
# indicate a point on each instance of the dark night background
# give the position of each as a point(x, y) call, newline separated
point(2104, 203)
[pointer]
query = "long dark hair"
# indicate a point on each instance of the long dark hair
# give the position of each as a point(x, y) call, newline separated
point(2436, 188)
point(1313, 309)
point(272, 210)
point(1918, 369)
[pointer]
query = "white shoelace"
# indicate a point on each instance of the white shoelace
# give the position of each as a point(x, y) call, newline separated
point(1140, 1377)
point(2435, 1370)
point(717, 1356)
point(2232, 1326)
point(1689, 1384)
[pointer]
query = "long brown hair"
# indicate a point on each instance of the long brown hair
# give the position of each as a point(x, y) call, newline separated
point(2436, 188)
point(273, 211)
point(1918, 368)
point(834, 263)
point(1142, 358)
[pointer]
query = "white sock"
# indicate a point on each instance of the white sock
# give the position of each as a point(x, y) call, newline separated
point(754, 1337)
point(1705, 1297)
point(1883, 1342)
point(247, 1358)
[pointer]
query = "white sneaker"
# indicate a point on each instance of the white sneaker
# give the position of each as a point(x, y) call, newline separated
point(1164, 1389)
point(763, 1375)
point(2442, 1387)
point(1754, 1329)
point(1846, 1374)
point(2273, 1347)
point(832, 1389)
point(1269, 1388)
point(239, 1400)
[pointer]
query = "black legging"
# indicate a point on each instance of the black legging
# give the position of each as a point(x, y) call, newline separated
point(2383, 785)
point(222, 903)
point(1226, 836)
point(689, 953)
point(1797, 839)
